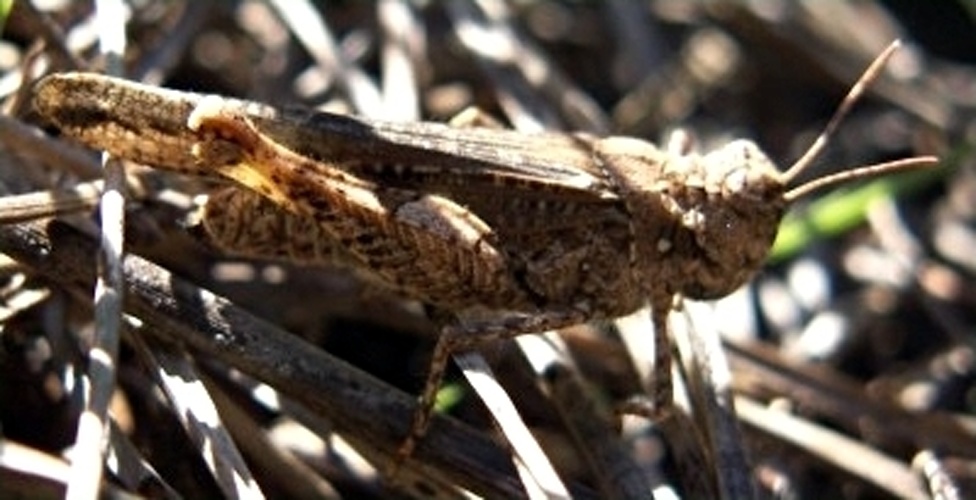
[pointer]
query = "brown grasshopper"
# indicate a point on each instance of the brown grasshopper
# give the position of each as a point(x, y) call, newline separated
point(508, 233)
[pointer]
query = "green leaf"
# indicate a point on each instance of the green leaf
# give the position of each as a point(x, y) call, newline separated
point(5, 6)
point(448, 397)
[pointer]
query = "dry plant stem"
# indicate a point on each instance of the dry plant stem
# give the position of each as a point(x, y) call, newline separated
point(311, 30)
point(892, 476)
point(515, 71)
point(838, 56)
point(49, 203)
point(28, 140)
point(940, 483)
point(194, 408)
point(499, 61)
point(51, 32)
point(89, 448)
point(524, 446)
point(131, 469)
point(710, 388)
point(289, 473)
point(402, 59)
point(638, 41)
point(369, 413)
point(843, 401)
point(591, 425)
point(155, 64)
point(35, 474)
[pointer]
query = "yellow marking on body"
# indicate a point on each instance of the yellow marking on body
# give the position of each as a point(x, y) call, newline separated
point(253, 177)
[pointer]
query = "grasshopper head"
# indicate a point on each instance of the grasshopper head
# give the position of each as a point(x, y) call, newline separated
point(728, 215)
point(745, 197)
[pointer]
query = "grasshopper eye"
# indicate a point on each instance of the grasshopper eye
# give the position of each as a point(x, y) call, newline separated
point(740, 167)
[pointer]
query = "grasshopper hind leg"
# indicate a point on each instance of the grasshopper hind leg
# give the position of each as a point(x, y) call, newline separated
point(459, 335)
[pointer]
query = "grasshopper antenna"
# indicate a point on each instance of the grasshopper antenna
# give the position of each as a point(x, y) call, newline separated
point(857, 91)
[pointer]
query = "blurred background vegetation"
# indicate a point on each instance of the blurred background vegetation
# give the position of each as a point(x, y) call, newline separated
point(862, 325)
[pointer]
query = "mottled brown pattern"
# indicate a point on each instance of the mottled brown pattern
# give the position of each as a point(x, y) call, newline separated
point(565, 221)
point(521, 231)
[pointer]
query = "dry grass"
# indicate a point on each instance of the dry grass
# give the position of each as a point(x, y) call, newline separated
point(851, 356)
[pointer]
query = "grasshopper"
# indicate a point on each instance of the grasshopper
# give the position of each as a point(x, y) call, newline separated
point(505, 233)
